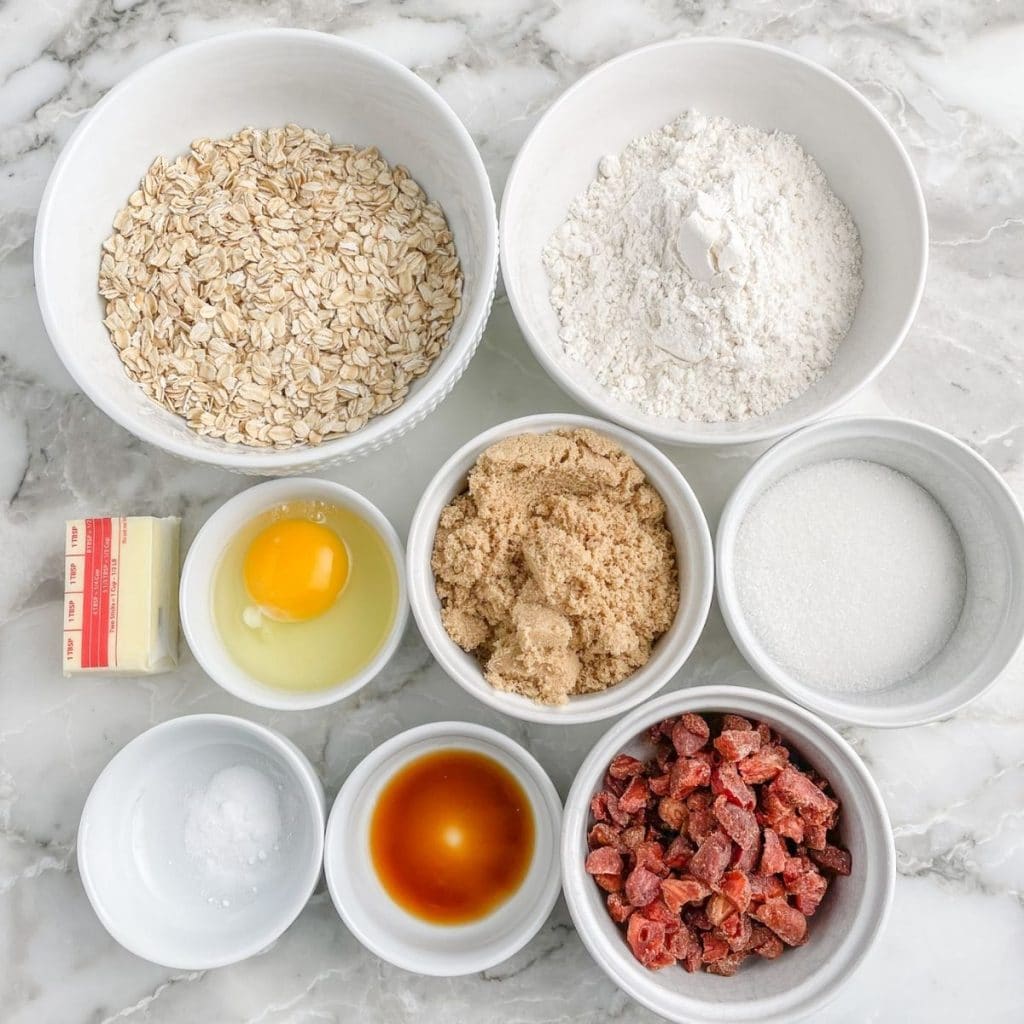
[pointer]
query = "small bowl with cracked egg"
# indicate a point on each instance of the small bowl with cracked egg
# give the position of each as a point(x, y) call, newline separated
point(560, 568)
point(268, 251)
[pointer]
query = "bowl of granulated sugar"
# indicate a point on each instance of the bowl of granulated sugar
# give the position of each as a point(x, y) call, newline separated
point(713, 241)
point(873, 570)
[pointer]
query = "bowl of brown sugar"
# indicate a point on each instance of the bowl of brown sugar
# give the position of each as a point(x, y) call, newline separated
point(560, 568)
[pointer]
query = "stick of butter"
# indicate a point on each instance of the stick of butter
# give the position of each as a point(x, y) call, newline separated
point(121, 595)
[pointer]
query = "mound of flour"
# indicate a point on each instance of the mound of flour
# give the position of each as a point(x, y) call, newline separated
point(709, 273)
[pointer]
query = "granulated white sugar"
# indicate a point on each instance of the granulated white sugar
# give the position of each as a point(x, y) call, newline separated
point(850, 575)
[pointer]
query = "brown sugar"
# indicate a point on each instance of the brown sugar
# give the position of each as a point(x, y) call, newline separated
point(556, 566)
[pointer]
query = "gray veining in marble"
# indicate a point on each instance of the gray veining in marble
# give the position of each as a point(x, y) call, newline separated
point(948, 75)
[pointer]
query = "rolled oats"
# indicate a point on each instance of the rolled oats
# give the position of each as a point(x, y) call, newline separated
point(275, 289)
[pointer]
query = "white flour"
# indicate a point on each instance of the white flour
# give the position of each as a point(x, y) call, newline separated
point(709, 273)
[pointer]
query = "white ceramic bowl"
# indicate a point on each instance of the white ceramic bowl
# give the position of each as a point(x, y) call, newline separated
point(696, 576)
point(987, 519)
point(753, 84)
point(145, 885)
point(214, 88)
point(196, 591)
point(840, 933)
point(391, 932)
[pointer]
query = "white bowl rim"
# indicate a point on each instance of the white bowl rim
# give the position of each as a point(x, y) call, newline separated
point(378, 430)
point(724, 698)
point(311, 788)
point(684, 435)
point(548, 816)
point(240, 509)
point(822, 702)
point(421, 578)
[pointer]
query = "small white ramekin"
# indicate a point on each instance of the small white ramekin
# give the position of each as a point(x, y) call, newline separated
point(196, 591)
point(152, 902)
point(696, 576)
point(391, 932)
point(263, 78)
point(840, 935)
point(987, 519)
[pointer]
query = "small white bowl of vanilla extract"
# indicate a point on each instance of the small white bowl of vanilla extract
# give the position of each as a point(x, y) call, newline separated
point(441, 853)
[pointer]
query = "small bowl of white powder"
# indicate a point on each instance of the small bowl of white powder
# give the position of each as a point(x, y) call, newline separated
point(713, 241)
point(873, 570)
point(202, 840)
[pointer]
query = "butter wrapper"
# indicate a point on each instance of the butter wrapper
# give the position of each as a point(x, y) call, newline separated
point(121, 595)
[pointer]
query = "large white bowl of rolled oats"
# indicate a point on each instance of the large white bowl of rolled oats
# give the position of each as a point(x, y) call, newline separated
point(268, 251)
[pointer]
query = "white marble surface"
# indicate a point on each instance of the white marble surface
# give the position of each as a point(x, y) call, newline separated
point(949, 76)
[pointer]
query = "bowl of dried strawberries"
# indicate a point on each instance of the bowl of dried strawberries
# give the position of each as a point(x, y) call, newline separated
point(726, 857)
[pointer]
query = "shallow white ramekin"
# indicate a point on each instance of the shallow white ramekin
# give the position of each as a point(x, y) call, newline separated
point(132, 858)
point(840, 934)
point(264, 78)
point(388, 930)
point(987, 519)
point(196, 591)
point(685, 519)
point(753, 84)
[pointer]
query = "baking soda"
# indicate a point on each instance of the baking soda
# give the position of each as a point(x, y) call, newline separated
point(850, 575)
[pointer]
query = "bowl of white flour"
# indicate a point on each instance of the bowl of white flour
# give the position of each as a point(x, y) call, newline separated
point(713, 241)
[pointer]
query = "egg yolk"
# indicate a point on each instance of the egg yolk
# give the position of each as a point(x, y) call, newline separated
point(295, 569)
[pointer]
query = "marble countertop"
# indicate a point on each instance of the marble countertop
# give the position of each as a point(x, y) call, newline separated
point(950, 78)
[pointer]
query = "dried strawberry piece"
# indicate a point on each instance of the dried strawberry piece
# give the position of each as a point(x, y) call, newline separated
point(686, 775)
point(605, 860)
point(683, 942)
point(679, 852)
point(735, 887)
point(808, 891)
point(735, 744)
point(609, 882)
point(773, 858)
point(728, 965)
point(712, 858)
point(673, 812)
point(611, 785)
point(815, 836)
point(694, 958)
point(715, 947)
point(701, 821)
point(689, 735)
point(625, 767)
point(646, 939)
point(787, 922)
point(676, 892)
point(619, 908)
point(764, 732)
point(781, 817)
point(771, 948)
point(697, 919)
point(659, 784)
point(746, 860)
point(795, 867)
point(634, 798)
point(738, 824)
point(642, 885)
point(794, 788)
point(650, 854)
point(615, 813)
point(758, 936)
point(766, 887)
point(599, 806)
point(658, 910)
point(726, 781)
point(832, 858)
point(736, 723)
point(763, 765)
point(718, 908)
point(736, 928)
point(661, 730)
point(604, 834)
point(633, 836)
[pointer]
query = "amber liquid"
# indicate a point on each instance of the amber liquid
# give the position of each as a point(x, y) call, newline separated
point(451, 837)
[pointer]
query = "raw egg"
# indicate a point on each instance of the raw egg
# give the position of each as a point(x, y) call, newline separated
point(305, 595)
point(295, 569)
